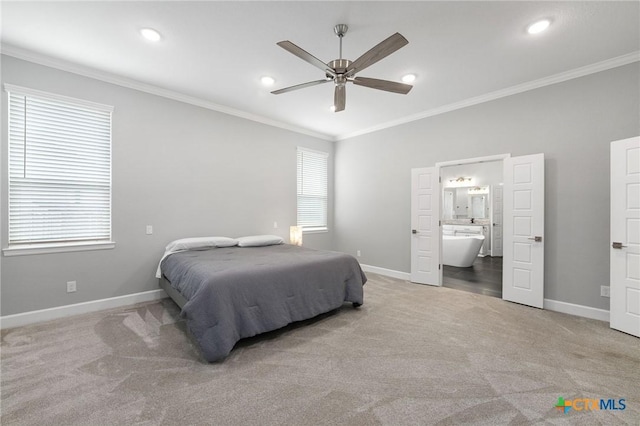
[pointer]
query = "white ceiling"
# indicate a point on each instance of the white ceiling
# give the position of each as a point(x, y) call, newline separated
point(216, 52)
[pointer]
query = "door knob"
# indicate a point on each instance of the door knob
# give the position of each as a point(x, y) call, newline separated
point(536, 239)
point(414, 231)
point(617, 245)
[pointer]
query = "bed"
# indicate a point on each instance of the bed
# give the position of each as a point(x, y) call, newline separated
point(230, 292)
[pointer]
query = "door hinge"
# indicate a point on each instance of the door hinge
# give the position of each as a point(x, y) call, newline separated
point(439, 266)
point(439, 223)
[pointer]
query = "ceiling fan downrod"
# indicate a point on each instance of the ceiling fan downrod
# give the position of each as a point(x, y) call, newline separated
point(340, 30)
point(340, 65)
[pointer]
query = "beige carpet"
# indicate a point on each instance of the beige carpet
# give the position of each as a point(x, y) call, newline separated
point(412, 355)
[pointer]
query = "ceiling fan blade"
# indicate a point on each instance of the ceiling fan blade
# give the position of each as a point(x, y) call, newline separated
point(386, 85)
point(300, 86)
point(378, 52)
point(306, 56)
point(339, 98)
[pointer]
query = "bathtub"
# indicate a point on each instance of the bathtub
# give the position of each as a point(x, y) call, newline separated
point(460, 251)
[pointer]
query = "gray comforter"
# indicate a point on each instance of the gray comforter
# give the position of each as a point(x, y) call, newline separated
point(239, 292)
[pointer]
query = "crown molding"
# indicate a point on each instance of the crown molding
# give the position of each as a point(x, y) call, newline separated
point(107, 77)
point(513, 90)
point(60, 64)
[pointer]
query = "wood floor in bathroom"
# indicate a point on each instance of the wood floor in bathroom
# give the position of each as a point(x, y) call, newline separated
point(483, 277)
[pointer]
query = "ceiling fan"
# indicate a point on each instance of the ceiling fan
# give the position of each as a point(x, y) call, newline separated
point(342, 71)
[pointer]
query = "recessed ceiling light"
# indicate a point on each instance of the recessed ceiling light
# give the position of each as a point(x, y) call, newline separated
point(409, 78)
point(538, 27)
point(150, 34)
point(267, 81)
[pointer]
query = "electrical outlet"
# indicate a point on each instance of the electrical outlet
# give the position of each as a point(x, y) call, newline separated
point(275, 225)
point(149, 229)
point(358, 253)
point(71, 286)
point(604, 291)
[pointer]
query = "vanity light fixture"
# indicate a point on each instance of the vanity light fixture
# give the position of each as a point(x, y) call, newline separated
point(150, 34)
point(478, 190)
point(538, 26)
point(461, 179)
point(460, 182)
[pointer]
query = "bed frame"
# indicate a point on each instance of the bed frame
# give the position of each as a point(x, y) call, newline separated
point(172, 293)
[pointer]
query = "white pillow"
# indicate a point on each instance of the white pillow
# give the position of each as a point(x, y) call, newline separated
point(259, 240)
point(200, 243)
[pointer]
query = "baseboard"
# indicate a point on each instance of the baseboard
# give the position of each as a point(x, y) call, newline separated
point(26, 318)
point(577, 310)
point(551, 305)
point(386, 272)
point(32, 317)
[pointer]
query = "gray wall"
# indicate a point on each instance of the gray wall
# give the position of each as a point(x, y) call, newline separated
point(191, 171)
point(186, 170)
point(572, 123)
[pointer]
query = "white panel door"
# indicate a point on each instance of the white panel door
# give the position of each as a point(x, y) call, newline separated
point(425, 230)
point(523, 249)
point(496, 220)
point(624, 312)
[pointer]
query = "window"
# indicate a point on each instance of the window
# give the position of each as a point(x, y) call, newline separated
point(59, 171)
point(312, 189)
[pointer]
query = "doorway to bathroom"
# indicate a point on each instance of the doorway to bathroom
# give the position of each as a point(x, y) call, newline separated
point(522, 232)
point(471, 222)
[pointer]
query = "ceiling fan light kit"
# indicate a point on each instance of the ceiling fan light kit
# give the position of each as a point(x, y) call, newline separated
point(342, 71)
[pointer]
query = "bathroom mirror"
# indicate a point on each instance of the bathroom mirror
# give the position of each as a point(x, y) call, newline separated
point(466, 202)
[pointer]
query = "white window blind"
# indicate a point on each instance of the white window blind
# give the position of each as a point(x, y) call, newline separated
point(59, 169)
point(312, 189)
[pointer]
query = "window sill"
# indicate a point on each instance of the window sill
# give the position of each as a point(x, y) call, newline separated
point(30, 249)
point(315, 230)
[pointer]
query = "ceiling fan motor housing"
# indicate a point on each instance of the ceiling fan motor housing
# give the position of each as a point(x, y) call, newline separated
point(340, 65)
